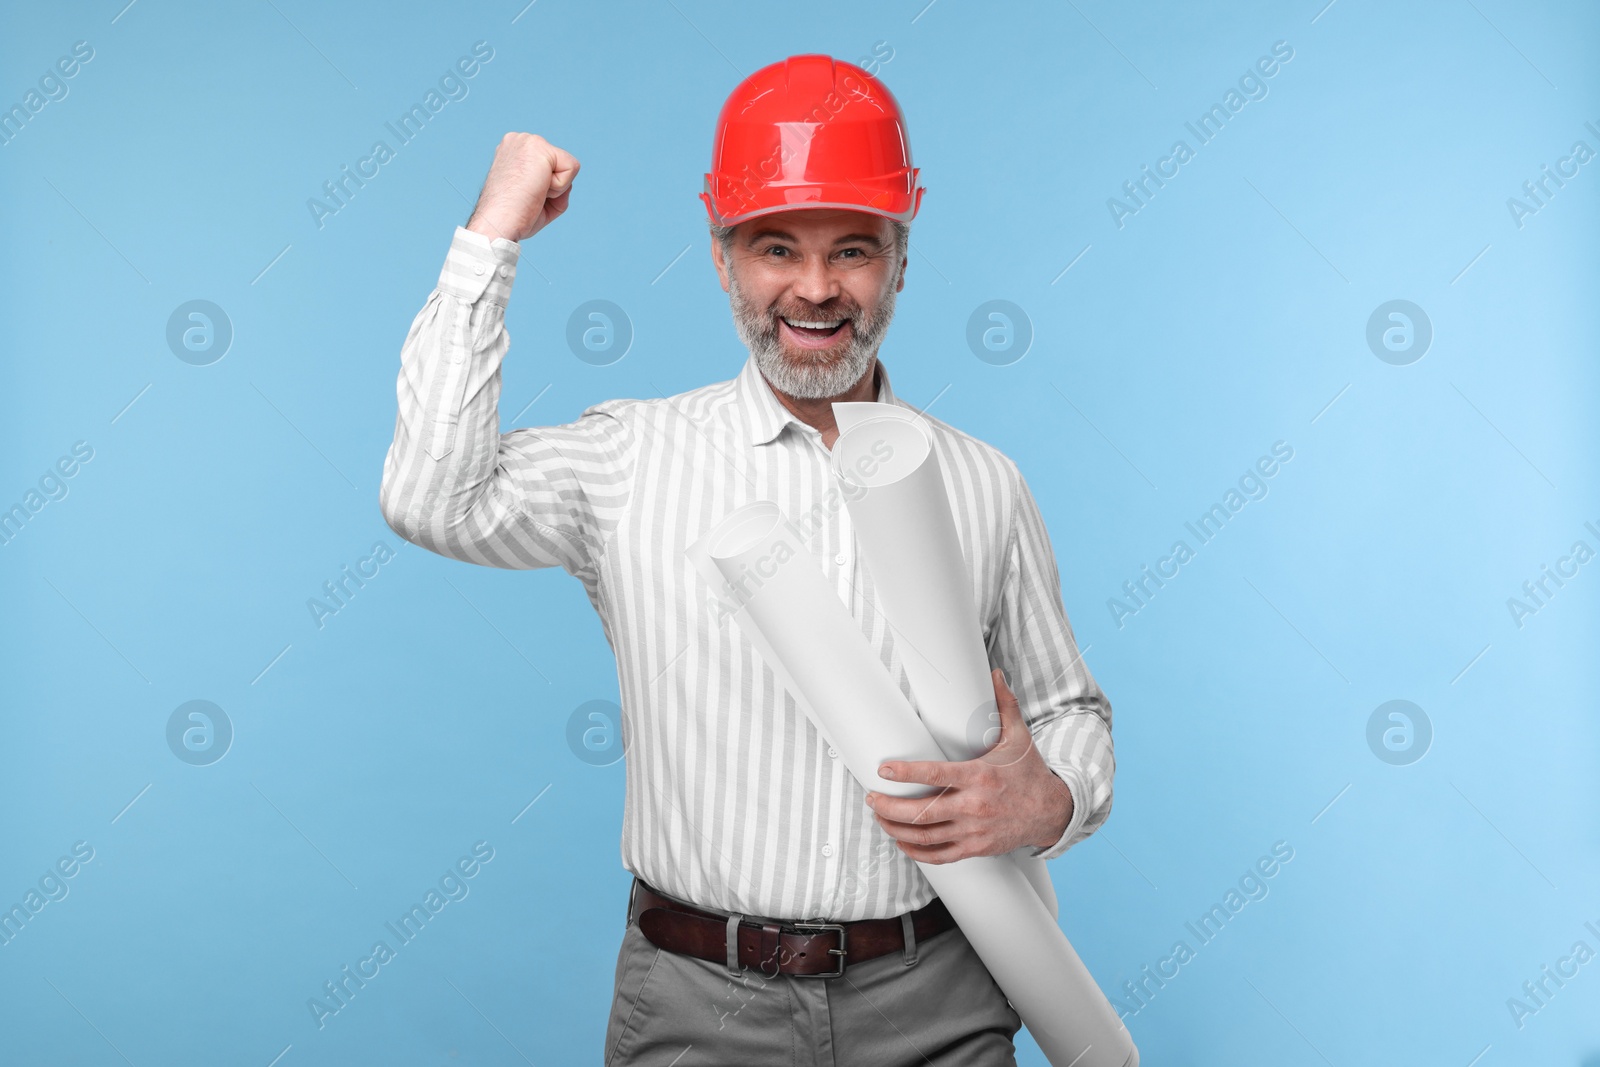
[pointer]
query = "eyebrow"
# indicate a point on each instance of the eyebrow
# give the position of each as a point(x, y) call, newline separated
point(864, 238)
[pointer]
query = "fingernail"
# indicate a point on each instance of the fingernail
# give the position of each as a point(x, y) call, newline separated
point(886, 772)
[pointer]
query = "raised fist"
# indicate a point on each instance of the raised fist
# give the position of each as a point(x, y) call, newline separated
point(527, 187)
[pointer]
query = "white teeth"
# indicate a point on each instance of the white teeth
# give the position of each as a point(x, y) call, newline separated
point(815, 325)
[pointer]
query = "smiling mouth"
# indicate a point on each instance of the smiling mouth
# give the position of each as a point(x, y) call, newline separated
point(813, 333)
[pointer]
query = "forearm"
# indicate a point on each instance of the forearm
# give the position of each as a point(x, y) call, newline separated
point(442, 487)
point(1056, 805)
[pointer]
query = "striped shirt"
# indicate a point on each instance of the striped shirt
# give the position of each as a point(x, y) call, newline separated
point(734, 801)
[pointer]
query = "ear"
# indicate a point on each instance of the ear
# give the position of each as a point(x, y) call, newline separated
point(901, 285)
point(720, 262)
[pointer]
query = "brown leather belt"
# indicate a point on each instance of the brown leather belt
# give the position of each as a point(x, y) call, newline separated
point(775, 946)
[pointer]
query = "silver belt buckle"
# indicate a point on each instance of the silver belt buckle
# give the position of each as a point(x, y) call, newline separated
point(840, 951)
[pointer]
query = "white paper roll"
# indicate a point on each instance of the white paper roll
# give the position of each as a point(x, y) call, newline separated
point(804, 631)
point(894, 489)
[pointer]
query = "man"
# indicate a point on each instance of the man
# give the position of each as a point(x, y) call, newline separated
point(760, 863)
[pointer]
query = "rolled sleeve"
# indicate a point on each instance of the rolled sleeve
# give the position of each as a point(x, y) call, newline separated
point(1032, 641)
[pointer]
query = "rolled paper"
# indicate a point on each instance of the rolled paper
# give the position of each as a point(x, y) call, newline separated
point(847, 414)
point(779, 598)
point(894, 490)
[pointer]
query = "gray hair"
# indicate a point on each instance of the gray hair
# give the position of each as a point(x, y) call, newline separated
point(902, 239)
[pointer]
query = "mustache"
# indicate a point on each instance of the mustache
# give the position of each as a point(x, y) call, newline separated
point(834, 309)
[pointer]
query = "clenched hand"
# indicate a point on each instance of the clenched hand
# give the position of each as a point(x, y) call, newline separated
point(528, 185)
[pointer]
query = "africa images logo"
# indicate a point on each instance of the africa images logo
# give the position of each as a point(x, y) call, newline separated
point(453, 886)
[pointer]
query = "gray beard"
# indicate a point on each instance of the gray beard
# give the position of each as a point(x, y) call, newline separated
point(809, 376)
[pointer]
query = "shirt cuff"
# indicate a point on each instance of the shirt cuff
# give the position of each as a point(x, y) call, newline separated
point(476, 266)
point(1080, 812)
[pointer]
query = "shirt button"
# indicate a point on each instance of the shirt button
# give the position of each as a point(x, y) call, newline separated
point(833, 753)
point(827, 850)
point(839, 559)
point(477, 268)
point(505, 272)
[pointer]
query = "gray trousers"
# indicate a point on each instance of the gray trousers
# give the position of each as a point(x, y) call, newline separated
point(944, 1010)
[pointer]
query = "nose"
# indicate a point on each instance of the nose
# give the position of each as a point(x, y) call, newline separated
point(816, 281)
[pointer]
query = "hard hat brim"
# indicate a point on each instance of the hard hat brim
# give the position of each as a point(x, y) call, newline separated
point(900, 204)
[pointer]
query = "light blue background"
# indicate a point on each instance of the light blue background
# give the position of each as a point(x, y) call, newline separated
point(1228, 314)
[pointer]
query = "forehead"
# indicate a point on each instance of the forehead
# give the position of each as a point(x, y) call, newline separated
point(816, 226)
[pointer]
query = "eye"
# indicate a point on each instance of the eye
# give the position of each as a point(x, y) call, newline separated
point(780, 250)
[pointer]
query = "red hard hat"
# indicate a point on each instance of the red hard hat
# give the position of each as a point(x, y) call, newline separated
point(810, 132)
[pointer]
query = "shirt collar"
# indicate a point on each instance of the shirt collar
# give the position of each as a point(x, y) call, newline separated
point(765, 414)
